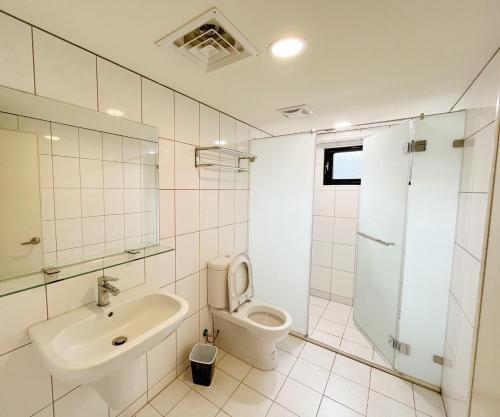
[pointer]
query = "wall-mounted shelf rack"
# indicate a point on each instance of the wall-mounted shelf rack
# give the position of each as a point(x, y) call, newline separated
point(56, 274)
point(222, 151)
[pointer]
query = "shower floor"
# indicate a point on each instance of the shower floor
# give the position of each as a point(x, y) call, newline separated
point(331, 323)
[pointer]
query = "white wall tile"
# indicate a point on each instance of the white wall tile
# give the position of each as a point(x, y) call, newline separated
point(321, 253)
point(23, 376)
point(477, 224)
point(92, 202)
point(68, 233)
point(130, 274)
point(322, 228)
point(65, 140)
point(209, 126)
point(10, 121)
point(66, 172)
point(167, 213)
point(113, 174)
point(20, 311)
point(209, 209)
point(346, 203)
point(113, 201)
point(344, 257)
point(187, 336)
point(40, 127)
point(158, 108)
point(242, 136)
point(241, 237)
point(187, 211)
point(63, 71)
point(46, 171)
point(49, 236)
point(112, 147)
point(47, 201)
point(344, 231)
point(226, 207)
point(16, 57)
point(186, 174)
point(187, 254)
point(166, 156)
point(91, 173)
point(324, 203)
point(131, 175)
point(148, 152)
point(133, 225)
point(226, 239)
point(161, 360)
point(119, 90)
point(187, 120)
point(82, 402)
point(90, 143)
point(67, 203)
point(189, 289)
point(209, 246)
point(320, 278)
point(240, 206)
point(227, 131)
point(93, 230)
point(72, 293)
point(470, 289)
point(342, 283)
point(115, 227)
point(160, 269)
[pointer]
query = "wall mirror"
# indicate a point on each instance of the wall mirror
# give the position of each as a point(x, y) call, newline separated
point(78, 187)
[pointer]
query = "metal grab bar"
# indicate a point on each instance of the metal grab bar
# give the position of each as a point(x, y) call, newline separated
point(382, 242)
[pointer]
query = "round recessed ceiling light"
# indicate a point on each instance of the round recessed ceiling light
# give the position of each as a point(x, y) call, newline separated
point(287, 47)
point(341, 125)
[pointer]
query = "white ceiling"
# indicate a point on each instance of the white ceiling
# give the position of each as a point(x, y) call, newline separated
point(367, 60)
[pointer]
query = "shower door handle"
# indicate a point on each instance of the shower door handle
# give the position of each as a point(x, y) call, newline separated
point(382, 242)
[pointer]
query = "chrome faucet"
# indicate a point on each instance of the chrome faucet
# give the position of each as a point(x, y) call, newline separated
point(104, 288)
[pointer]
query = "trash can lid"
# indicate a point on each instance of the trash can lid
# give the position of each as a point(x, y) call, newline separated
point(203, 353)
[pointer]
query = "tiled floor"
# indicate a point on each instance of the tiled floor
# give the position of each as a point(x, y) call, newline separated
point(331, 323)
point(309, 382)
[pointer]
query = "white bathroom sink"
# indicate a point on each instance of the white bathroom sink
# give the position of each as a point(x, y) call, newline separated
point(78, 346)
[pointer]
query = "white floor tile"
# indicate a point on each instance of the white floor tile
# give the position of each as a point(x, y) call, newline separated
point(148, 411)
point(363, 352)
point(234, 367)
point(268, 383)
point(309, 374)
point(313, 320)
point(317, 301)
point(339, 307)
point(169, 397)
point(330, 408)
point(277, 410)
point(222, 414)
point(285, 361)
point(326, 338)
point(382, 406)
point(336, 316)
point(220, 389)
point(318, 355)
point(315, 310)
point(194, 405)
point(354, 335)
point(291, 344)
point(299, 399)
point(245, 402)
point(347, 392)
point(331, 327)
point(428, 402)
point(392, 386)
point(353, 370)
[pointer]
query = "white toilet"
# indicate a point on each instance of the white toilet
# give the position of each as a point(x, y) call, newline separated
point(247, 328)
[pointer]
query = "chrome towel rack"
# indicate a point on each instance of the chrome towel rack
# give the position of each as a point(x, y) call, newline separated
point(224, 151)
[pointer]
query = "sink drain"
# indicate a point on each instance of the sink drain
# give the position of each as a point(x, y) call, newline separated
point(120, 340)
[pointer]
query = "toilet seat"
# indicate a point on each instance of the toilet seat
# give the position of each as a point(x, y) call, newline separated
point(239, 282)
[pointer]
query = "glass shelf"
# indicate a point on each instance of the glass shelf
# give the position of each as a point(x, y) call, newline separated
point(39, 279)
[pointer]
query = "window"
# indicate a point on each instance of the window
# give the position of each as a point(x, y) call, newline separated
point(342, 165)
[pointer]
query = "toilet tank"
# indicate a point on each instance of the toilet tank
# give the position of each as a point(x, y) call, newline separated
point(217, 281)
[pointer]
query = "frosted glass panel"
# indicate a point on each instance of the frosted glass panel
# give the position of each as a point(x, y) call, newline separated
point(432, 212)
point(280, 225)
point(383, 194)
point(347, 165)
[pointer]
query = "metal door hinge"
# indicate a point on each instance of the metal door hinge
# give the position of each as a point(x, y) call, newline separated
point(459, 143)
point(51, 270)
point(438, 359)
point(415, 146)
point(403, 348)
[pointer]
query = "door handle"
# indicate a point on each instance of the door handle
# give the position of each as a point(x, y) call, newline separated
point(34, 241)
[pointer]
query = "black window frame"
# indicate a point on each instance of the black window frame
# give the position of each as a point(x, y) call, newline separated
point(328, 166)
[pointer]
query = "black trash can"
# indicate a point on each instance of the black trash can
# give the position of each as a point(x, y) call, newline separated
point(202, 358)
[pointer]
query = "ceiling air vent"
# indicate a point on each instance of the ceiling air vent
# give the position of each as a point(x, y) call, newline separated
point(211, 40)
point(295, 111)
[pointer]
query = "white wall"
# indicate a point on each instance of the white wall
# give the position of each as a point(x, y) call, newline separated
point(469, 256)
point(335, 222)
point(203, 213)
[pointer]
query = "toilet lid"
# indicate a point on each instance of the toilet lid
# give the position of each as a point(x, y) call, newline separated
point(240, 281)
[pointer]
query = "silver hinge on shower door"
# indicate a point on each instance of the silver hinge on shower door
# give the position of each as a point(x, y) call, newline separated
point(403, 348)
point(415, 146)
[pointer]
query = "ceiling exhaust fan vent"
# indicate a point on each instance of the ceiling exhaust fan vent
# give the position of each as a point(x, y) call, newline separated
point(211, 40)
point(295, 111)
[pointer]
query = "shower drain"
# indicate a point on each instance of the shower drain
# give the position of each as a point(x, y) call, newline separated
point(120, 340)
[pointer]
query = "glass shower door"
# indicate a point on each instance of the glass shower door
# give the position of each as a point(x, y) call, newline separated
point(381, 230)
